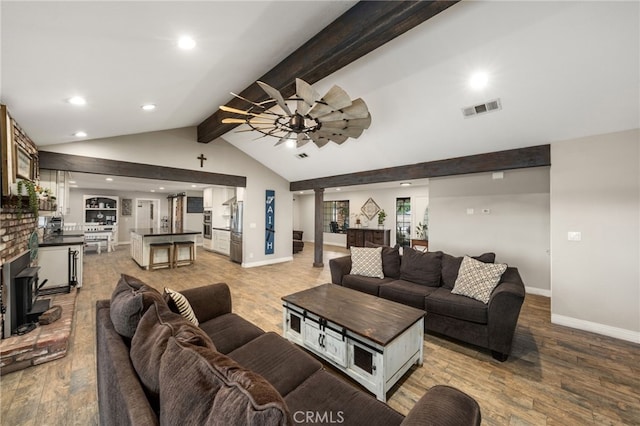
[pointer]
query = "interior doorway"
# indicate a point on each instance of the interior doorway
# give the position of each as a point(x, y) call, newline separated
point(147, 213)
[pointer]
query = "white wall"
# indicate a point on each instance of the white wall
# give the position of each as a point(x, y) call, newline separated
point(516, 226)
point(178, 148)
point(595, 190)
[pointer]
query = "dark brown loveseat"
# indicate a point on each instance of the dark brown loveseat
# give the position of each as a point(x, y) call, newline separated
point(156, 367)
point(425, 281)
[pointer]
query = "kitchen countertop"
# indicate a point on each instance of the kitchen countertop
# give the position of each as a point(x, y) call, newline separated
point(158, 232)
point(61, 240)
point(220, 228)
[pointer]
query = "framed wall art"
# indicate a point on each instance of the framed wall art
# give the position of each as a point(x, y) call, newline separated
point(370, 209)
point(24, 164)
point(126, 206)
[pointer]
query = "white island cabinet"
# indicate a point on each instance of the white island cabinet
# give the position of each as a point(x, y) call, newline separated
point(142, 237)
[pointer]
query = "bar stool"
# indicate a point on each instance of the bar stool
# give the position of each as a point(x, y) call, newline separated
point(176, 251)
point(153, 247)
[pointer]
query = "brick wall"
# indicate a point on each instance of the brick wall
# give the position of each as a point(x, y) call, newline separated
point(15, 232)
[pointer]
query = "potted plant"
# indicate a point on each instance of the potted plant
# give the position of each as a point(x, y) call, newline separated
point(421, 231)
point(31, 194)
point(357, 217)
point(382, 215)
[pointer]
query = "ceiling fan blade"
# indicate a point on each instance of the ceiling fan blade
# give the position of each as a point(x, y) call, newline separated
point(283, 139)
point(276, 95)
point(234, 120)
point(337, 124)
point(337, 98)
point(308, 94)
point(339, 139)
point(319, 139)
point(302, 140)
point(320, 110)
point(242, 112)
point(358, 109)
point(258, 104)
point(362, 123)
point(352, 132)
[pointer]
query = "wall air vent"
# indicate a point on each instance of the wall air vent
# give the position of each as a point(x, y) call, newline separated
point(474, 110)
point(302, 155)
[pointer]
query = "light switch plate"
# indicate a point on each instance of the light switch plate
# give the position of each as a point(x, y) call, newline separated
point(574, 236)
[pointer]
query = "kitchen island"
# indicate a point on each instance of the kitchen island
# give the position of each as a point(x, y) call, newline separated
point(142, 237)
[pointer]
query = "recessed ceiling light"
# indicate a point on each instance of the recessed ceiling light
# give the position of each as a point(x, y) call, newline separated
point(72, 181)
point(338, 189)
point(148, 107)
point(186, 43)
point(405, 184)
point(80, 134)
point(161, 188)
point(194, 186)
point(77, 100)
point(301, 192)
point(109, 179)
point(479, 80)
point(153, 190)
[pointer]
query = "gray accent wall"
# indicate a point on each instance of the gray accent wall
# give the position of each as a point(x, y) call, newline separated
point(474, 214)
point(595, 190)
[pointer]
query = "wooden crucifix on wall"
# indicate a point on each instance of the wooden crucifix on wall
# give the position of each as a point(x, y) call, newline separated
point(202, 159)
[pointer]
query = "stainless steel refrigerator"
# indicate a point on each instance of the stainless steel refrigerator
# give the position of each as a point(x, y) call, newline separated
point(235, 252)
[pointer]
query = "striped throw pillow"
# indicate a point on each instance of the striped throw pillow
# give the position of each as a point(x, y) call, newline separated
point(183, 305)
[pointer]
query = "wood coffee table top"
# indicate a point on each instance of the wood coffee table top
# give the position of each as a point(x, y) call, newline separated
point(377, 319)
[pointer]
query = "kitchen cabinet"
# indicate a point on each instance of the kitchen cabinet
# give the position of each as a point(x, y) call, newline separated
point(221, 241)
point(56, 264)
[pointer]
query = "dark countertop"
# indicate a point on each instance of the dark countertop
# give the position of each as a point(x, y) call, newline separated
point(220, 229)
point(61, 240)
point(158, 232)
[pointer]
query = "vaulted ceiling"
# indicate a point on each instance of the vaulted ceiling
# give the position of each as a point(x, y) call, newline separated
point(560, 69)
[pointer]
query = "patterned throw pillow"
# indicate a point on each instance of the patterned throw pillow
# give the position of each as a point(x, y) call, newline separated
point(183, 305)
point(367, 262)
point(478, 279)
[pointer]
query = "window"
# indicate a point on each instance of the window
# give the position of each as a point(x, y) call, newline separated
point(403, 221)
point(336, 216)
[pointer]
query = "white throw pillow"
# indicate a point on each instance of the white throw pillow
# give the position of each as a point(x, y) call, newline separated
point(478, 279)
point(367, 262)
point(183, 305)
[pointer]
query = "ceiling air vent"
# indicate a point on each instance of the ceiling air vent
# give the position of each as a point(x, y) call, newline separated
point(302, 155)
point(474, 110)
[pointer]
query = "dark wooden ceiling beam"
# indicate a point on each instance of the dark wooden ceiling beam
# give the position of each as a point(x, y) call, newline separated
point(360, 30)
point(535, 156)
point(81, 164)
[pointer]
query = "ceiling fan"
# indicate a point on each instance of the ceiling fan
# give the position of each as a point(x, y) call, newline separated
point(320, 119)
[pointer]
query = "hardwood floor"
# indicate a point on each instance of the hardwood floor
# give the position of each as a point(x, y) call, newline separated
point(555, 375)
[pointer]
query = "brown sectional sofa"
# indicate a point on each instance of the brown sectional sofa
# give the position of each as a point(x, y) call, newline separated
point(156, 367)
point(425, 280)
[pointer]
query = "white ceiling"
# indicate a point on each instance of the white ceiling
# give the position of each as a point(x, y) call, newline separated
point(562, 70)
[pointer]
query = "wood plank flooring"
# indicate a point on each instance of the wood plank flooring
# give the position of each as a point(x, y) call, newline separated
point(554, 376)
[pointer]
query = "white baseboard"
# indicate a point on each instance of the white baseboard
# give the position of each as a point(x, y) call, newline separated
point(606, 330)
point(538, 291)
point(267, 262)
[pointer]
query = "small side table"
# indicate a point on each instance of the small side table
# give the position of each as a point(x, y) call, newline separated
point(423, 244)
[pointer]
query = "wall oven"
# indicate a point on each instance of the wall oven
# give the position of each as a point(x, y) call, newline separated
point(206, 225)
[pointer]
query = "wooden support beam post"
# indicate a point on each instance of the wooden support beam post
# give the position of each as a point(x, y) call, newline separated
point(319, 229)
